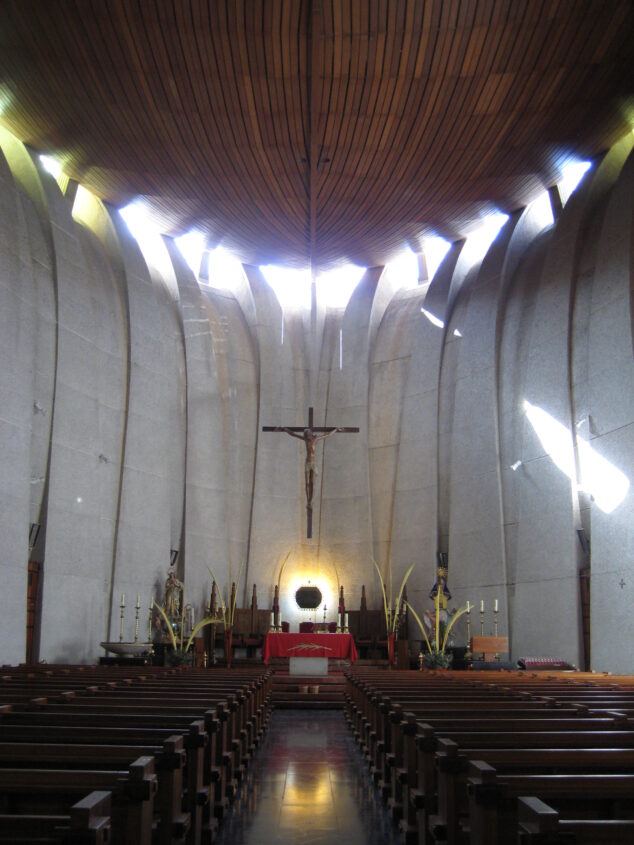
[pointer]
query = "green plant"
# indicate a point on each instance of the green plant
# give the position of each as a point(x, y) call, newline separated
point(437, 659)
point(391, 611)
point(436, 655)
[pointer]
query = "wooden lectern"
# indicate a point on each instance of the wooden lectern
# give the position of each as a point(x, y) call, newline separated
point(490, 647)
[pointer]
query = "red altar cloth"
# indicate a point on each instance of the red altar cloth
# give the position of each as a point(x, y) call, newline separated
point(340, 646)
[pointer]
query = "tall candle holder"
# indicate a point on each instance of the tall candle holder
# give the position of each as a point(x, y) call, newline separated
point(495, 625)
point(468, 651)
point(149, 621)
point(121, 609)
point(136, 620)
point(481, 618)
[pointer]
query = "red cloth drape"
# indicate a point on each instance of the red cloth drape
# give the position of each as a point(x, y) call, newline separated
point(340, 646)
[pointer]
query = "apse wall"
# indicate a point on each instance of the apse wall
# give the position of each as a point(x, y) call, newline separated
point(133, 400)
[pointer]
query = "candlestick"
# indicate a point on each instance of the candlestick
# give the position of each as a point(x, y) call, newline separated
point(121, 609)
point(149, 621)
point(481, 618)
point(136, 620)
point(495, 624)
point(468, 651)
point(324, 613)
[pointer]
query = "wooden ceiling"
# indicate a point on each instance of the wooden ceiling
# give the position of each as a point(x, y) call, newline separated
point(291, 130)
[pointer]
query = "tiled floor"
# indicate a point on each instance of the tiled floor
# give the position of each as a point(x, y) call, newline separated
point(308, 785)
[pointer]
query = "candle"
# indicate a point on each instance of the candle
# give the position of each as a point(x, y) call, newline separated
point(468, 607)
point(346, 621)
point(138, 601)
point(482, 606)
point(122, 599)
point(272, 619)
point(495, 605)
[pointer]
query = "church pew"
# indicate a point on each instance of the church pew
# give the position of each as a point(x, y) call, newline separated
point(228, 726)
point(363, 703)
point(452, 765)
point(389, 753)
point(194, 740)
point(169, 759)
point(493, 799)
point(538, 823)
point(217, 768)
point(49, 790)
point(421, 799)
point(235, 729)
point(87, 823)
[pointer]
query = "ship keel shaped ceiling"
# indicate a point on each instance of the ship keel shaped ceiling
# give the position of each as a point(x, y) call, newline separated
point(301, 132)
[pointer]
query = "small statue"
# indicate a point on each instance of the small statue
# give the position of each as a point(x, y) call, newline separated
point(173, 594)
point(188, 620)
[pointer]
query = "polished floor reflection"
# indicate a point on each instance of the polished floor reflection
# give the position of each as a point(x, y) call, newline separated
point(308, 785)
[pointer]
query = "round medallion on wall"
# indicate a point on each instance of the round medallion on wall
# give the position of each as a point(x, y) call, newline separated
point(308, 597)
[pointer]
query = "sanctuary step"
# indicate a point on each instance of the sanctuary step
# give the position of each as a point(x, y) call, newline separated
point(308, 693)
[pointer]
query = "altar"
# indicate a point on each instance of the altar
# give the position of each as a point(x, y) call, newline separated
point(338, 646)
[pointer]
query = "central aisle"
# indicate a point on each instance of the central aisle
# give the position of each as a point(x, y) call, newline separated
point(308, 785)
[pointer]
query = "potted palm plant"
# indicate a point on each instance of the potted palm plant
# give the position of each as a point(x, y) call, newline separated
point(392, 611)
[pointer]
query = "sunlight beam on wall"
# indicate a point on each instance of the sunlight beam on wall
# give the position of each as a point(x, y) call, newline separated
point(604, 482)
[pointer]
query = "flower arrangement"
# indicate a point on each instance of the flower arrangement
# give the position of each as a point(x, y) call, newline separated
point(440, 624)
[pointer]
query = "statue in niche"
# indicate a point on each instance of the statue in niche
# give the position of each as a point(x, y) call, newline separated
point(173, 594)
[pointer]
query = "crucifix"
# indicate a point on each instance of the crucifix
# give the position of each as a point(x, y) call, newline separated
point(310, 435)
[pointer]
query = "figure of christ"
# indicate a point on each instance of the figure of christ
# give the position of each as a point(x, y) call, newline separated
point(310, 467)
point(310, 435)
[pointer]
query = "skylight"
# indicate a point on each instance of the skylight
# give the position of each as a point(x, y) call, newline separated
point(571, 175)
point(224, 270)
point(479, 241)
point(404, 271)
point(51, 165)
point(191, 245)
point(292, 287)
point(139, 221)
point(543, 210)
point(335, 287)
point(435, 249)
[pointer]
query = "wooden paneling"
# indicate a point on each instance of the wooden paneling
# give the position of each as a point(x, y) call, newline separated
point(323, 129)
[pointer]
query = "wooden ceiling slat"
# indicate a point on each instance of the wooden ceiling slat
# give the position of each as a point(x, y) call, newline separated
point(429, 110)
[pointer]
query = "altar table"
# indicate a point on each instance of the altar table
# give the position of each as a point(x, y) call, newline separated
point(338, 646)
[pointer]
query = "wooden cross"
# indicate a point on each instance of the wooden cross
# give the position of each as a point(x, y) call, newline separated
point(310, 434)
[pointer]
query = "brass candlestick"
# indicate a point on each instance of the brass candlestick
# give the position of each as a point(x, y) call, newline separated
point(121, 609)
point(136, 620)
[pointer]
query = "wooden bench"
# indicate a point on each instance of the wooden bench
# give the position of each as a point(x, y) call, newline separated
point(87, 823)
point(173, 823)
point(539, 823)
point(45, 791)
point(452, 766)
point(493, 799)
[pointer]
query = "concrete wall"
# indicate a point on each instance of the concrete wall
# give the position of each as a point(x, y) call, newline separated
point(133, 400)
